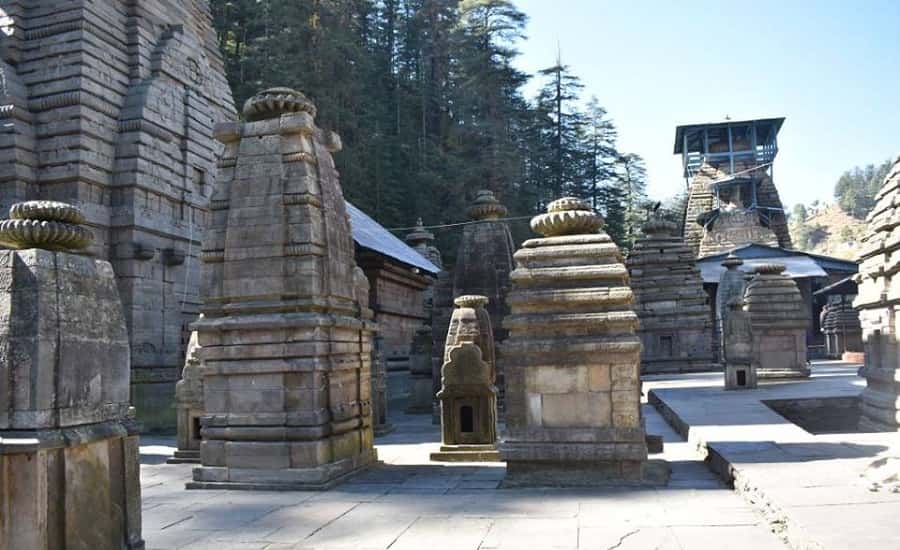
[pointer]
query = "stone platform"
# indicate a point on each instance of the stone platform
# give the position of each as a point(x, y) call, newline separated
point(466, 453)
point(809, 486)
point(411, 503)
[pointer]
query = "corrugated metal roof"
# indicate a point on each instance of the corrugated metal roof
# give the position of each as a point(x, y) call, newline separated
point(755, 251)
point(795, 267)
point(370, 234)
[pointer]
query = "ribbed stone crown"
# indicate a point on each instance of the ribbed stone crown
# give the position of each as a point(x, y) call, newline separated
point(275, 102)
point(486, 207)
point(45, 224)
point(419, 234)
point(567, 216)
point(732, 261)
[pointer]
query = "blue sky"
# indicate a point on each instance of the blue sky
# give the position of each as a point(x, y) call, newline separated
point(831, 68)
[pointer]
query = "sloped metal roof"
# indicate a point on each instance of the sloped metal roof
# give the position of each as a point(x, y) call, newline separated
point(368, 233)
point(795, 267)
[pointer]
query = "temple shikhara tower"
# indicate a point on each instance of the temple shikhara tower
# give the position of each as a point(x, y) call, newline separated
point(111, 106)
point(285, 343)
point(732, 199)
point(877, 303)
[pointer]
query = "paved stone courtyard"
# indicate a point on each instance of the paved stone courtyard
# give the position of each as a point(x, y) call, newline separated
point(409, 503)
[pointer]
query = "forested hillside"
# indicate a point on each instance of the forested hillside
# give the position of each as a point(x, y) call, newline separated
point(430, 107)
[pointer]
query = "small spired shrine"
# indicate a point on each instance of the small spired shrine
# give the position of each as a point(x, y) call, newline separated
point(732, 199)
point(189, 406)
point(484, 260)
point(840, 326)
point(573, 358)
point(675, 329)
point(778, 320)
point(421, 385)
point(468, 394)
point(737, 347)
point(732, 284)
point(285, 345)
point(877, 302)
point(68, 440)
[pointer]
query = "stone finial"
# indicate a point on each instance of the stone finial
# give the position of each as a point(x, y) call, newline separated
point(567, 216)
point(45, 224)
point(659, 227)
point(486, 207)
point(731, 261)
point(275, 102)
point(769, 269)
point(419, 234)
point(735, 303)
point(471, 300)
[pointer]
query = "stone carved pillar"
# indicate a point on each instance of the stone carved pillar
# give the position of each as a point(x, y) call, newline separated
point(572, 358)
point(286, 346)
point(877, 302)
point(737, 347)
point(468, 394)
point(189, 406)
point(779, 323)
point(732, 283)
point(421, 382)
point(69, 467)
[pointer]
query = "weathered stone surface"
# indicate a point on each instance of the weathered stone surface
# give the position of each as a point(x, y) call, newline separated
point(778, 320)
point(380, 418)
point(286, 339)
point(468, 393)
point(189, 405)
point(484, 260)
point(68, 444)
point(675, 325)
point(111, 107)
point(731, 286)
point(877, 302)
point(737, 347)
point(572, 358)
point(839, 323)
point(442, 308)
point(734, 227)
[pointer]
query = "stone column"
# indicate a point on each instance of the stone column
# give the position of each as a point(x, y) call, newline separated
point(421, 382)
point(877, 302)
point(69, 468)
point(675, 325)
point(731, 285)
point(286, 347)
point(778, 318)
point(740, 370)
point(572, 358)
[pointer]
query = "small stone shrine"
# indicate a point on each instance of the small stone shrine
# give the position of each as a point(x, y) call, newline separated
point(421, 383)
point(468, 394)
point(779, 321)
point(841, 328)
point(189, 406)
point(484, 260)
point(285, 346)
point(675, 327)
point(573, 358)
point(380, 418)
point(441, 311)
point(732, 284)
point(737, 347)
point(878, 302)
point(68, 441)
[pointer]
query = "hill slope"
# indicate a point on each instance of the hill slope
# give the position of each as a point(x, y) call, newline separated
point(828, 230)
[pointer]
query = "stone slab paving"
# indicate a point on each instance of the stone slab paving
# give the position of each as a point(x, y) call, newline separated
point(410, 503)
point(809, 486)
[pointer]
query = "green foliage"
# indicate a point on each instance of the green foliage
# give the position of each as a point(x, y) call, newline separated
point(856, 189)
point(430, 107)
point(799, 213)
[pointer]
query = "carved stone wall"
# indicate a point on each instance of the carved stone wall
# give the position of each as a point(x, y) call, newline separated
point(676, 330)
point(113, 106)
point(878, 301)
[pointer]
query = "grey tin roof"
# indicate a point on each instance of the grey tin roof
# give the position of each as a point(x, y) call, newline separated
point(795, 267)
point(370, 234)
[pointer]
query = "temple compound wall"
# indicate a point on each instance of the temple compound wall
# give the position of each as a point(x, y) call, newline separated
point(111, 107)
point(69, 466)
point(877, 302)
point(285, 342)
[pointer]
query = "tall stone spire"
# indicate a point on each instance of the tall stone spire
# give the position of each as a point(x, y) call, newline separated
point(421, 240)
point(285, 344)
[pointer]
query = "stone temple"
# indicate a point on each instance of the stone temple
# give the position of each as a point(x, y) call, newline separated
point(675, 329)
point(877, 304)
point(778, 321)
point(111, 107)
point(286, 350)
point(573, 358)
point(69, 471)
